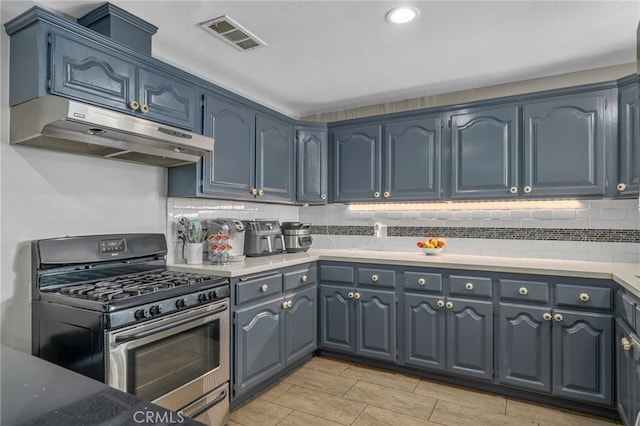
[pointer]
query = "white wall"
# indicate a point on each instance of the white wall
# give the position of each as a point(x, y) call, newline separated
point(48, 194)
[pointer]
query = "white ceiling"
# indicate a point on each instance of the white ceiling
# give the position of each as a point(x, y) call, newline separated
point(329, 55)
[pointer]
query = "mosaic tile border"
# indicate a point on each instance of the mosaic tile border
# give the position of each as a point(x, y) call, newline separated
point(539, 234)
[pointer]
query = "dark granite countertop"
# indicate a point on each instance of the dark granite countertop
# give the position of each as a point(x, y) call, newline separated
point(36, 392)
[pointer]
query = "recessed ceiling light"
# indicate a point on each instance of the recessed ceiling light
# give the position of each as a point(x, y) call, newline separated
point(402, 15)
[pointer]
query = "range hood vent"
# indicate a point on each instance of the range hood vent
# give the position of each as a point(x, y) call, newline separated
point(232, 33)
point(62, 124)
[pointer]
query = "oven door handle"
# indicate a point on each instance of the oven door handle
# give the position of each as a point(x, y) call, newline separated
point(135, 336)
point(218, 400)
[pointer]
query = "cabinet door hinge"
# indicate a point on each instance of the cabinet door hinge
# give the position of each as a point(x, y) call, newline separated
point(297, 135)
point(495, 372)
point(49, 39)
point(449, 123)
point(48, 83)
point(606, 103)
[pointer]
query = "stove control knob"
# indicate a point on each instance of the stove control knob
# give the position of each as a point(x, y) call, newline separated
point(202, 297)
point(155, 310)
point(212, 295)
point(180, 303)
point(140, 314)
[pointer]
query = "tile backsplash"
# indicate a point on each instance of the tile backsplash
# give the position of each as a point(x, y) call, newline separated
point(598, 230)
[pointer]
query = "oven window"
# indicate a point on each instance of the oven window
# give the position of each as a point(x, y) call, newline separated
point(166, 364)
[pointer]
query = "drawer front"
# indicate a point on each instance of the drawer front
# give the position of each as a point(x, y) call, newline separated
point(524, 291)
point(299, 278)
point(584, 296)
point(377, 277)
point(258, 288)
point(470, 286)
point(423, 281)
point(337, 274)
point(625, 308)
point(638, 320)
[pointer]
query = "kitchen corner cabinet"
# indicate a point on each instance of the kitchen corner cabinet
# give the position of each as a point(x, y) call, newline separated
point(564, 145)
point(399, 159)
point(312, 165)
point(252, 156)
point(628, 184)
point(89, 72)
point(485, 153)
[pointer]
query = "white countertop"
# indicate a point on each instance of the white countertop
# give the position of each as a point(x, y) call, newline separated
point(625, 274)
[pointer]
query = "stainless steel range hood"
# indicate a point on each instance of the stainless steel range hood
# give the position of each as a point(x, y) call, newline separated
point(62, 124)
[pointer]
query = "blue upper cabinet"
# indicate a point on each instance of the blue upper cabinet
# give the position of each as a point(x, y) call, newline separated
point(311, 173)
point(412, 159)
point(484, 153)
point(89, 72)
point(629, 141)
point(229, 169)
point(564, 145)
point(357, 170)
point(274, 159)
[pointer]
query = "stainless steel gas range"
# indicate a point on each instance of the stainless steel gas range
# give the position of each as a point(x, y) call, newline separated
point(105, 306)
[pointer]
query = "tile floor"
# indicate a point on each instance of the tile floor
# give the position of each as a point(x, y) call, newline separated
point(328, 391)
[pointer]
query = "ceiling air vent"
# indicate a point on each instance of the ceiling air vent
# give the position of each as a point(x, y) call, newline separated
point(233, 33)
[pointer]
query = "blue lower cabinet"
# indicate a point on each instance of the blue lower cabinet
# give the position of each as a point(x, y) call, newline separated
point(300, 324)
point(469, 339)
point(358, 321)
point(524, 357)
point(260, 344)
point(583, 356)
point(627, 392)
point(425, 333)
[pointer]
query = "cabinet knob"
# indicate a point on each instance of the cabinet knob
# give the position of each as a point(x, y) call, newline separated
point(523, 291)
point(264, 288)
point(376, 194)
point(513, 189)
point(134, 105)
point(350, 295)
point(303, 278)
point(546, 316)
point(626, 344)
point(621, 187)
point(386, 194)
point(527, 189)
point(285, 304)
point(558, 317)
point(144, 108)
point(253, 191)
point(449, 305)
point(323, 196)
point(261, 192)
point(290, 304)
point(440, 303)
point(422, 281)
point(584, 297)
point(374, 278)
point(469, 286)
point(356, 295)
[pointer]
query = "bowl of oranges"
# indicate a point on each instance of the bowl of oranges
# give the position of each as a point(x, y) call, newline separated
point(432, 246)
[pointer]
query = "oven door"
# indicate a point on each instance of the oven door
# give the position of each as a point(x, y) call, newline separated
point(172, 361)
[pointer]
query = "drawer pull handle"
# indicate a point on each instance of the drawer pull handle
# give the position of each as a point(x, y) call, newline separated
point(356, 296)
point(350, 295)
point(626, 344)
point(469, 286)
point(523, 291)
point(621, 187)
point(144, 108)
point(513, 189)
point(584, 297)
point(134, 105)
point(422, 281)
point(558, 317)
point(264, 288)
point(527, 189)
point(374, 278)
point(546, 316)
point(440, 303)
point(449, 305)
point(303, 278)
